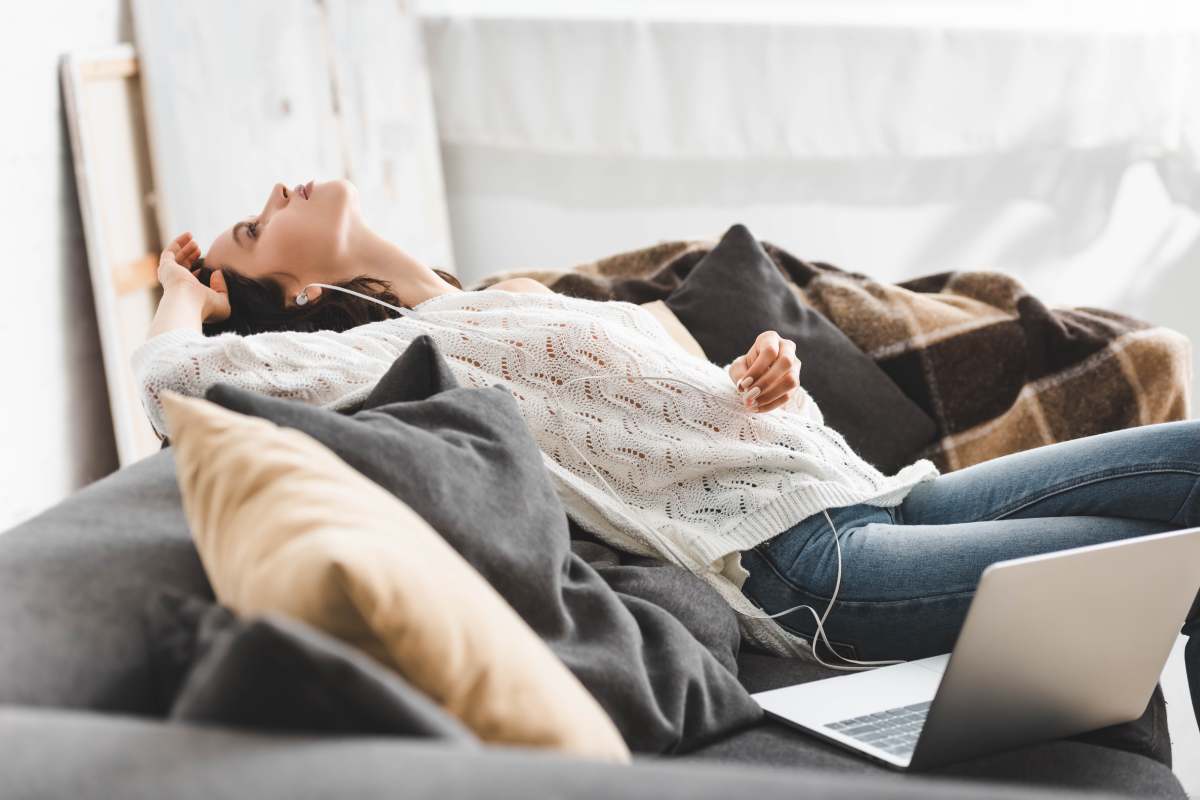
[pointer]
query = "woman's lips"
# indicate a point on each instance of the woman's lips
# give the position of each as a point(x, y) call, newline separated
point(304, 189)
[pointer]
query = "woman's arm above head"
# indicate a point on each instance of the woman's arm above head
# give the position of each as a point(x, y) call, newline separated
point(326, 368)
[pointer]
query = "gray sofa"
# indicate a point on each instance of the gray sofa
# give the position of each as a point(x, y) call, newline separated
point(76, 715)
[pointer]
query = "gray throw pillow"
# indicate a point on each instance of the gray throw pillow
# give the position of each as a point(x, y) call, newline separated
point(273, 672)
point(736, 292)
point(465, 461)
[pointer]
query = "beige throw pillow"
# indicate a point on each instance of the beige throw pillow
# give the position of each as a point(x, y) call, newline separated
point(284, 525)
point(666, 317)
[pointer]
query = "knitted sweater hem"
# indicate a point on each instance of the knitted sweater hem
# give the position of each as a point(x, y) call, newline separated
point(756, 527)
point(767, 522)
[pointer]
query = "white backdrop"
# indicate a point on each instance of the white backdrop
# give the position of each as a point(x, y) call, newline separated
point(1058, 141)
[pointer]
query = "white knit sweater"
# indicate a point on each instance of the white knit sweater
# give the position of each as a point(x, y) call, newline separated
point(712, 476)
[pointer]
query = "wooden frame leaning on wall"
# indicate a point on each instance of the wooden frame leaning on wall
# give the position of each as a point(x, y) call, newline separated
point(103, 104)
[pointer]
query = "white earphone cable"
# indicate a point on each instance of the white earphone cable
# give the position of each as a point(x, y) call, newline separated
point(663, 542)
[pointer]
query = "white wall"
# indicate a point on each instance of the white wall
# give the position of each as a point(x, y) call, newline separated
point(891, 138)
point(1140, 255)
point(55, 433)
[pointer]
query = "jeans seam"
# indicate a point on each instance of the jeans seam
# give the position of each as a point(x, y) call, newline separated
point(1189, 469)
point(1184, 503)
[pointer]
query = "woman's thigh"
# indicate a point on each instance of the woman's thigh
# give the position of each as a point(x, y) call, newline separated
point(1149, 472)
point(905, 588)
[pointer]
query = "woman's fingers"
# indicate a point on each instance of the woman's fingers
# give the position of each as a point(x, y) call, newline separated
point(771, 406)
point(189, 253)
point(761, 356)
point(778, 380)
point(768, 374)
point(175, 258)
point(179, 242)
point(782, 378)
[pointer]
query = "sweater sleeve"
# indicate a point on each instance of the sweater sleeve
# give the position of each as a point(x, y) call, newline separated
point(325, 368)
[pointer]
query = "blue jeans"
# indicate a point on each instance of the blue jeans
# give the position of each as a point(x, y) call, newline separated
point(909, 572)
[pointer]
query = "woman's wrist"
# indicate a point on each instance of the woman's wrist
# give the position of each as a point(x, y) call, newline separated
point(180, 307)
point(193, 291)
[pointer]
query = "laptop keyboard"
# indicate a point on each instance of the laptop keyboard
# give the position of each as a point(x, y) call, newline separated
point(894, 731)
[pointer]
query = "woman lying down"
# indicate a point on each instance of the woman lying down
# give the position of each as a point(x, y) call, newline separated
point(727, 471)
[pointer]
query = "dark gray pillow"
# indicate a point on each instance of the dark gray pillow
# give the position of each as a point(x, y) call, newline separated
point(464, 460)
point(736, 292)
point(273, 672)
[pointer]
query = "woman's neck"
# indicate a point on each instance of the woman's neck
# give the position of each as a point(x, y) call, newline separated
point(412, 282)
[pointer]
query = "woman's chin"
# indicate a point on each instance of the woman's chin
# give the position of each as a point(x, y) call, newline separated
point(340, 186)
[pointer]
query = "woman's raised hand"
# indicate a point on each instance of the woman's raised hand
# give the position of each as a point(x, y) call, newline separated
point(769, 373)
point(176, 274)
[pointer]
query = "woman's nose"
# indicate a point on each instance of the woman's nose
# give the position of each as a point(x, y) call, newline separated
point(279, 197)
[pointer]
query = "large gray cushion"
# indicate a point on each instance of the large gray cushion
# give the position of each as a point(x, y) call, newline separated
point(74, 581)
point(1061, 764)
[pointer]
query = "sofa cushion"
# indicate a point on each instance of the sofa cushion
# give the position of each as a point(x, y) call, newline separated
point(273, 672)
point(736, 292)
point(54, 754)
point(1061, 765)
point(283, 525)
point(75, 579)
point(465, 460)
point(82, 645)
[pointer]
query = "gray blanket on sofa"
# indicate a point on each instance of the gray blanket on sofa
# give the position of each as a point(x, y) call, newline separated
point(653, 643)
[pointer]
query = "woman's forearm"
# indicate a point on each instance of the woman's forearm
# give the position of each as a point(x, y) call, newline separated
point(178, 309)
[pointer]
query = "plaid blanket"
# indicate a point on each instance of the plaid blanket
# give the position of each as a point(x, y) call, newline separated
point(996, 368)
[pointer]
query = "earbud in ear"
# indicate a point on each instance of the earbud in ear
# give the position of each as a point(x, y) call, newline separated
point(302, 299)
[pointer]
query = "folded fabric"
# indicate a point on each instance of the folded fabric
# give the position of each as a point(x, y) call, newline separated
point(463, 458)
point(273, 672)
point(283, 525)
point(736, 292)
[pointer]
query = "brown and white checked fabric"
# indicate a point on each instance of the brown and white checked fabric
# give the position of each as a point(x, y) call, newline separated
point(997, 369)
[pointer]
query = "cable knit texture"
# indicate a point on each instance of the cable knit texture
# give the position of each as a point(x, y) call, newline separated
point(695, 466)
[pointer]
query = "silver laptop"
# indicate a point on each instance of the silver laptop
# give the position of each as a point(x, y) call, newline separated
point(1052, 645)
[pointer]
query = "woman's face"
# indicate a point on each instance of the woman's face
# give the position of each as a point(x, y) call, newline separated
point(301, 235)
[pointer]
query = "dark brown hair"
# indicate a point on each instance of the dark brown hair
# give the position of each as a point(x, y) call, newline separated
point(258, 305)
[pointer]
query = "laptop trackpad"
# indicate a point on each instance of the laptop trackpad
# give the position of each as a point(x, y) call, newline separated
point(845, 696)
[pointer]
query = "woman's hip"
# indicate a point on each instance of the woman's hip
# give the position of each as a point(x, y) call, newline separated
point(902, 589)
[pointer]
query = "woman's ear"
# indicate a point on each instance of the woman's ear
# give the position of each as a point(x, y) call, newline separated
point(312, 292)
point(216, 282)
